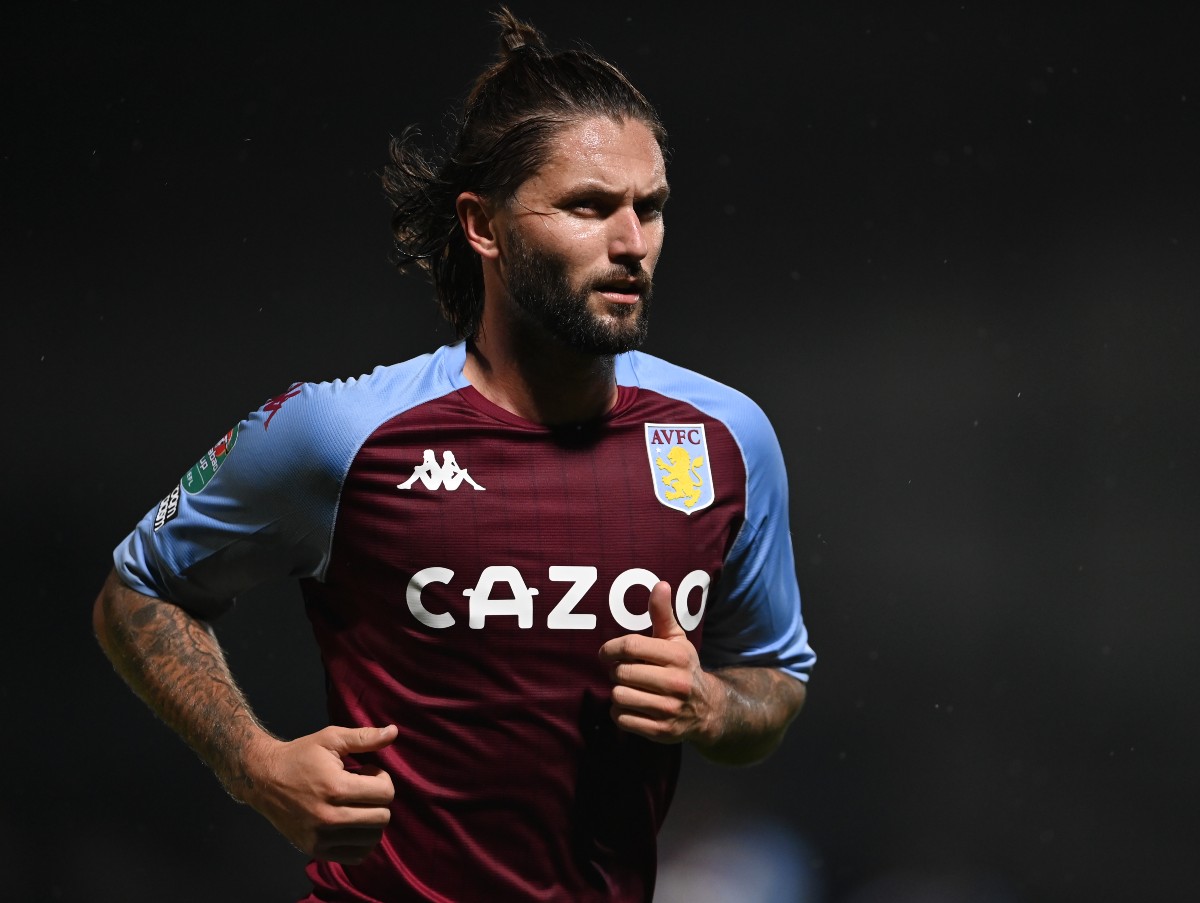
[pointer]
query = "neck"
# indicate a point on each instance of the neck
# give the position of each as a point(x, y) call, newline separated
point(538, 378)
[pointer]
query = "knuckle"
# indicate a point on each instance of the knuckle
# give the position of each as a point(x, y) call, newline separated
point(327, 818)
point(681, 687)
point(325, 788)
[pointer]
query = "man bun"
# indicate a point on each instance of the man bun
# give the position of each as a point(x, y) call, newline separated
point(516, 36)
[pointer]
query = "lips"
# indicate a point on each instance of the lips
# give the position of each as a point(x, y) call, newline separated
point(623, 291)
point(623, 295)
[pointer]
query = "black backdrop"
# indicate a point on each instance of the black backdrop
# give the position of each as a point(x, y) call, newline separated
point(951, 248)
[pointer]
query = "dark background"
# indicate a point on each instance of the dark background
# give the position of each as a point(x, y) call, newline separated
point(952, 249)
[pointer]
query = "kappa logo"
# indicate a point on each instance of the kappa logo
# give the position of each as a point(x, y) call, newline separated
point(273, 405)
point(679, 465)
point(432, 475)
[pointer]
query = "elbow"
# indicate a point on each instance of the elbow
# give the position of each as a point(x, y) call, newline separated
point(768, 702)
point(746, 750)
point(100, 613)
point(107, 612)
point(799, 694)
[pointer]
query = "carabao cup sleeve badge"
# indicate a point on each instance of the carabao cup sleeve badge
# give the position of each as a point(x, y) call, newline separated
point(679, 465)
point(206, 468)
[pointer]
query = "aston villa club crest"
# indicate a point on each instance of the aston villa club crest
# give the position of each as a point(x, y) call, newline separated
point(679, 465)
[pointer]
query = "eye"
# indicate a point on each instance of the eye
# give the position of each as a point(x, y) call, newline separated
point(649, 210)
point(651, 206)
point(587, 206)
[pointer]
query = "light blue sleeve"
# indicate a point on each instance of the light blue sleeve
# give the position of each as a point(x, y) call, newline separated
point(256, 507)
point(261, 505)
point(754, 615)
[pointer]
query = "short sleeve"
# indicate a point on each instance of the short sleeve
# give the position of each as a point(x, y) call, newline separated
point(755, 617)
point(256, 507)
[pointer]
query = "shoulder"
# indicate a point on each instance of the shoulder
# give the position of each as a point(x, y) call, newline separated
point(334, 418)
point(743, 417)
point(262, 503)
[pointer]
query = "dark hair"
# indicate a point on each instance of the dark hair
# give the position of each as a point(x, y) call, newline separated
point(511, 114)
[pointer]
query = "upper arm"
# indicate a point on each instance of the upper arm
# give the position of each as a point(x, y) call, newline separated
point(755, 618)
point(256, 507)
point(118, 610)
point(114, 604)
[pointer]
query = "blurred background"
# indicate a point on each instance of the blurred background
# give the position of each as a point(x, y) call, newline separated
point(953, 249)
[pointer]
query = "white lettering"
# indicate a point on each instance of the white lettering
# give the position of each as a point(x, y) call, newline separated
point(564, 617)
point(483, 605)
point(616, 598)
point(519, 600)
point(694, 580)
point(420, 580)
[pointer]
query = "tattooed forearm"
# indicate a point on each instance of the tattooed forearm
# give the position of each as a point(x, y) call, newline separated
point(174, 663)
point(759, 704)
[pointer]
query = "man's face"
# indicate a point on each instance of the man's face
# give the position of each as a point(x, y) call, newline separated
point(583, 234)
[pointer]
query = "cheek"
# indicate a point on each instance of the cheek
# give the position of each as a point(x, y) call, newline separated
point(575, 240)
point(655, 240)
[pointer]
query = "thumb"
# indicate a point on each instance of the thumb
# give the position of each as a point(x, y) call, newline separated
point(345, 740)
point(662, 613)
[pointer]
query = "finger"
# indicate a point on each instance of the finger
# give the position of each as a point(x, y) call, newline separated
point(364, 790)
point(653, 678)
point(617, 650)
point(343, 855)
point(651, 705)
point(349, 836)
point(637, 648)
point(347, 852)
point(663, 625)
point(367, 770)
point(658, 730)
point(345, 740)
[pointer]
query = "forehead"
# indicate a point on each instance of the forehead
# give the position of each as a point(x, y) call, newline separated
point(619, 155)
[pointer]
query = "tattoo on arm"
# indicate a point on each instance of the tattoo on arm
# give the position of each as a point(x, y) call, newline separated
point(174, 663)
point(759, 703)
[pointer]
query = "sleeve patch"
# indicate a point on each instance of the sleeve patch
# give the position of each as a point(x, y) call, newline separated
point(206, 468)
point(167, 509)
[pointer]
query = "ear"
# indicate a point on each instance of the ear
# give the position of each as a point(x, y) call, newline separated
point(475, 217)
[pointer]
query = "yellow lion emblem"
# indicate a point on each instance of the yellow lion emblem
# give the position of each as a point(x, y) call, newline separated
point(681, 476)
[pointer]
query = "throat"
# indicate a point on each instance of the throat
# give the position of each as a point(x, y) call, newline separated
point(550, 387)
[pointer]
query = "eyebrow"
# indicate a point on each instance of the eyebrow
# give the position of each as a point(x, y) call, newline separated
point(659, 193)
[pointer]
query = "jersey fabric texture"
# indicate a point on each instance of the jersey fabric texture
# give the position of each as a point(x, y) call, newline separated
point(461, 568)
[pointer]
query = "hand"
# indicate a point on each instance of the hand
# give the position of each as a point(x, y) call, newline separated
point(660, 692)
point(303, 788)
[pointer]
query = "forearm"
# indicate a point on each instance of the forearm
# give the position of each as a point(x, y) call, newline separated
point(174, 663)
point(750, 710)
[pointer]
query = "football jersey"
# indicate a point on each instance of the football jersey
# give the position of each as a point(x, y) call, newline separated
point(461, 568)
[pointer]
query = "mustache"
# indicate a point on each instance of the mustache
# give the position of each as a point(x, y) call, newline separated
point(624, 278)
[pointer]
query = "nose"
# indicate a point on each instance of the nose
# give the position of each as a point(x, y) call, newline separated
point(627, 239)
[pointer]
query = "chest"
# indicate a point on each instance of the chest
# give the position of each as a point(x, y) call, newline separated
point(465, 524)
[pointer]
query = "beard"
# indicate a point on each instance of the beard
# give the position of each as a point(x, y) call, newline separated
point(539, 284)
